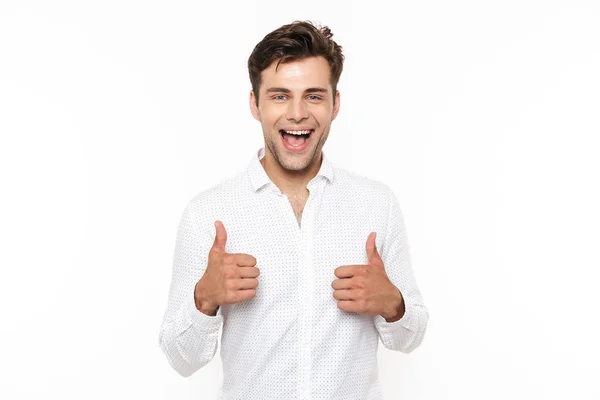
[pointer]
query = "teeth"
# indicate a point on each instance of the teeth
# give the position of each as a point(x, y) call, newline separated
point(298, 132)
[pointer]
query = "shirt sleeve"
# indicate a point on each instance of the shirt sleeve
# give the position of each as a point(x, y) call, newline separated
point(188, 337)
point(406, 334)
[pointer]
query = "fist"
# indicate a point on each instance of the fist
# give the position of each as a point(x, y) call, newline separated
point(229, 277)
point(367, 289)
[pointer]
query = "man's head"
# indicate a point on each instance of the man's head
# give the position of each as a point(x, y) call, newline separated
point(294, 73)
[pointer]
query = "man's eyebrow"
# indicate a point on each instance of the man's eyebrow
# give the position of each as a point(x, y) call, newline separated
point(284, 90)
point(316, 90)
point(278, 89)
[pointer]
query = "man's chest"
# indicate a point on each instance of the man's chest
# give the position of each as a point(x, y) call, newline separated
point(297, 202)
point(331, 235)
point(297, 262)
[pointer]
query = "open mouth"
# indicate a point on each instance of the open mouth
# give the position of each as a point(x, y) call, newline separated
point(295, 138)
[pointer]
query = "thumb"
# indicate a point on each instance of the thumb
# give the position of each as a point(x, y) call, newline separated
point(220, 237)
point(372, 254)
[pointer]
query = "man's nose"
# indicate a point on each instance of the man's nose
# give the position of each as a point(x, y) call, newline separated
point(297, 110)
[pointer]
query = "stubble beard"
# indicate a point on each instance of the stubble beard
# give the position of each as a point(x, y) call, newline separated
point(291, 162)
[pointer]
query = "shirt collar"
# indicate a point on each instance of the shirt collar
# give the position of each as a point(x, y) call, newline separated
point(259, 177)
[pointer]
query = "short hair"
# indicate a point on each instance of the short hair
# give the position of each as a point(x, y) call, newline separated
point(295, 41)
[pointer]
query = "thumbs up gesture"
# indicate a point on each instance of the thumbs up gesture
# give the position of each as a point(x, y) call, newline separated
point(229, 277)
point(366, 289)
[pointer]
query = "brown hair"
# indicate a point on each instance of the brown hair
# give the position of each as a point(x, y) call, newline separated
point(295, 41)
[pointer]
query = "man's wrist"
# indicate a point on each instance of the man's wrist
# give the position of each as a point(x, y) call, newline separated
point(207, 309)
point(203, 305)
point(397, 311)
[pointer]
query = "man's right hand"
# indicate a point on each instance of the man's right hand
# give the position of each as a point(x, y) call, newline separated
point(228, 279)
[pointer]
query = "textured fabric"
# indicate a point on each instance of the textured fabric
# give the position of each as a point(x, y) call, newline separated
point(291, 341)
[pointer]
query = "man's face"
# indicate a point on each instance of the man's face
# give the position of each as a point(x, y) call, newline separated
point(298, 98)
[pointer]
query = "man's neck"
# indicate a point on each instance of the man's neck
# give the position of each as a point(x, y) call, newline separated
point(289, 182)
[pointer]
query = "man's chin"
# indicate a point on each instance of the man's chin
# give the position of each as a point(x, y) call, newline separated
point(294, 166)
point(295, 162)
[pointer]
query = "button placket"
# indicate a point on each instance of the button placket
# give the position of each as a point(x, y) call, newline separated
point(305, 246)
point(306, 294)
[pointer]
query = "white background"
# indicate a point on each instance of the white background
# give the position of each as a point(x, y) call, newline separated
point(482, 116)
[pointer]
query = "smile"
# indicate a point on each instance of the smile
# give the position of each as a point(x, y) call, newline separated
point(295, 140)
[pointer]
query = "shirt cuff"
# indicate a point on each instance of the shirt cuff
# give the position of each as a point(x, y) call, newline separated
point(203, 322)
point(407, 321)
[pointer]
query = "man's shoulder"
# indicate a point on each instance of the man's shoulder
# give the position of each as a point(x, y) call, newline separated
point(231, 188)
point(354, 182)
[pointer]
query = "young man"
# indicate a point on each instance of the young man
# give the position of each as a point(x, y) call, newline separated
point(328, 247)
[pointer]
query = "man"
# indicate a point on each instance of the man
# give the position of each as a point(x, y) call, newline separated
point(328, 247)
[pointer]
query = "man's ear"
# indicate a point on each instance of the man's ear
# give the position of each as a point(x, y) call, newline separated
point(336, 105)
point(254, 106)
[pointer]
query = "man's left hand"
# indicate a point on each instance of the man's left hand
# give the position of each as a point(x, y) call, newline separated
point(366, 289)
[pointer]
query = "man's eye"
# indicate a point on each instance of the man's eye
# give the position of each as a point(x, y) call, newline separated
point(279, 97)
point(314, 97)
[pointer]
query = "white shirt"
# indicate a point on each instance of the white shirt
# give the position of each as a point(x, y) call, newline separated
point(291, 341)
